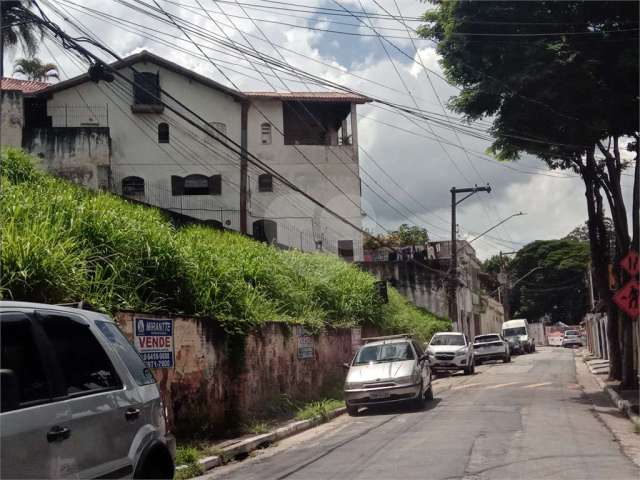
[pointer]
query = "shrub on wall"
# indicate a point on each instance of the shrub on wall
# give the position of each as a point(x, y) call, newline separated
point(63, 243)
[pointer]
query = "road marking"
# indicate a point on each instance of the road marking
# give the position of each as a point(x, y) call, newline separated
point(500, 385)
point(536, 385)
point(460, 387)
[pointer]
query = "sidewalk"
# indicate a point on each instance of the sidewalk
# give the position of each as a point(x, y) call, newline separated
point(626, 400)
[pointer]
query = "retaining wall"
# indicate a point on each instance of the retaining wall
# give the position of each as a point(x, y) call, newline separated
point(218, 380)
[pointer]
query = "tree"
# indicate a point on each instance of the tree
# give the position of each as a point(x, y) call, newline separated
point(15, 30)
point(559, 80)
point(558, 287)
point(410, 236)
point(34, 69)
point(405, 236)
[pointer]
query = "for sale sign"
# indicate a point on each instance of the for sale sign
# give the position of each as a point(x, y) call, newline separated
point(153, 338)
point(305, 344)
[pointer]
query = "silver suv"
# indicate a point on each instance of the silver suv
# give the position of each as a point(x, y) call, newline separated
point(387, 370)
point(77, 399)
point(451, 351)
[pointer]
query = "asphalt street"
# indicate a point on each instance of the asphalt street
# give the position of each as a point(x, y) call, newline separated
point(525, 420)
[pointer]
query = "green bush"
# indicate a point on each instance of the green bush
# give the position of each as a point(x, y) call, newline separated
point(321, 409)
point(63, 243)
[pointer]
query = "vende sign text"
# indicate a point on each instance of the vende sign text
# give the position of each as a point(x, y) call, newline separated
point(153, 338)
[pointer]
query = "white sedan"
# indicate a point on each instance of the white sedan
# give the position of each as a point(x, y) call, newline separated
point(491, 347)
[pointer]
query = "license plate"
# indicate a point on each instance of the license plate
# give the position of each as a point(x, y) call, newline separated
point(378, 395)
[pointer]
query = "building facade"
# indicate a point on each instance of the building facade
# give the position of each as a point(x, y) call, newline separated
point(135, 138)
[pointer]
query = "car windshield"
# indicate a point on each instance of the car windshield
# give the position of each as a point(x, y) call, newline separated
point(514, 332)
point(486, 339)
point(390, 352)
point(447, 340)
point(571, 333)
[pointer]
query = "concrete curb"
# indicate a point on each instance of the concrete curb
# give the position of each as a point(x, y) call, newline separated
point(623, 405)
point(246, 446)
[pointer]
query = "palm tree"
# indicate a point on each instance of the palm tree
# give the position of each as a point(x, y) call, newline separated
point(16, 29)
point(34, 69)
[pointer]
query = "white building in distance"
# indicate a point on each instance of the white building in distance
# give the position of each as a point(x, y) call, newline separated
point(128, 138)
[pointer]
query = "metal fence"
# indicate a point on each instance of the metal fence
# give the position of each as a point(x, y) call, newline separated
point(79, 115)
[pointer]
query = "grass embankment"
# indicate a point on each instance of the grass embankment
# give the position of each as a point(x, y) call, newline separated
point(62, 243)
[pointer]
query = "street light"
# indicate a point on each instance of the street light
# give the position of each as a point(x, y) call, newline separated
point(496, 226)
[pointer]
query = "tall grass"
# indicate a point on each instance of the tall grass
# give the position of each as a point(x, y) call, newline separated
point(63, 243)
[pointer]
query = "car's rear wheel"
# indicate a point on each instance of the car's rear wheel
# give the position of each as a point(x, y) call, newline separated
point(428, 395)
point(470, 370)
point(352, 411)
point(419, 401)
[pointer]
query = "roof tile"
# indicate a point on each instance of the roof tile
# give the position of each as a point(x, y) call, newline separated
point(25, 86)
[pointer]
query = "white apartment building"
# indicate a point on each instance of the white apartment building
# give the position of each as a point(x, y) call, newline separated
point(119, 136)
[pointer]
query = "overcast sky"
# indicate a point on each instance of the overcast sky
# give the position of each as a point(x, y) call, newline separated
point(553, 202)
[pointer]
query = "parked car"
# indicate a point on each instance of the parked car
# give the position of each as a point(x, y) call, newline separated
point(491, 347)
point(77, 399)
point(451, 351)
point(387, 370)
point(516, 332)
point(571, 338)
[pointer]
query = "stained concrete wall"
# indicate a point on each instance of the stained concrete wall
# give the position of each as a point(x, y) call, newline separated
point(78, 154)
point(417, 284)
point(11, 118)
point(492, 315)
point(219, 380)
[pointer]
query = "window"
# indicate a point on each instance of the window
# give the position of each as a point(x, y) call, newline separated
point(265, 133)
point(265, 231)
point(265, 183)
point(163, 133)
point(345, 249)
point(85, 365)
point(133, 186)
point(146, 90)
point(141, 374)
point(389, 352)
point(20, 354)
point(196, 185)
point(448, 340)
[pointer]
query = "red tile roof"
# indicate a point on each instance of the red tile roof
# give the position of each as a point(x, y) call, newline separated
point(311, 96)
point(25, 86)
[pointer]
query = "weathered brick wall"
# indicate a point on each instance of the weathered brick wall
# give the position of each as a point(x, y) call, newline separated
point(218, 379)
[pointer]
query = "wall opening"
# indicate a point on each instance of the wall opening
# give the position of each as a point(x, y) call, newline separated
point(265, 183)
point(163, 133)
point(133, 186)
point(265, 231)
point(314, 123)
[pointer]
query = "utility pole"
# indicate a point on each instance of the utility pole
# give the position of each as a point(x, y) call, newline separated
point(244, 183)
point(506, 305)
point(453, 265)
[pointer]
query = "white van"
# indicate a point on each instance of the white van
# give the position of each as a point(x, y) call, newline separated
point(516, 332)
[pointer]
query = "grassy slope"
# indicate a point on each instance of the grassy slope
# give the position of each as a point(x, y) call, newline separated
point(62, 243)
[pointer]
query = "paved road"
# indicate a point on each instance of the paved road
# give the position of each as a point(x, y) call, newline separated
point(528, 419)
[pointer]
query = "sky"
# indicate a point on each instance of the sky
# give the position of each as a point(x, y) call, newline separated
point(392, 69)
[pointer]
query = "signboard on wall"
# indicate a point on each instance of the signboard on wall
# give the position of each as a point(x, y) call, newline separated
point(153, 338)
point(305, 344)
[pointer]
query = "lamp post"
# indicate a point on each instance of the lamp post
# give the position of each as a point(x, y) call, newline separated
point(496, 226)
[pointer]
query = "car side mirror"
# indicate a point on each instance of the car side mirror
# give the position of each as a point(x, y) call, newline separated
point(9, 392)
point(346, 366)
